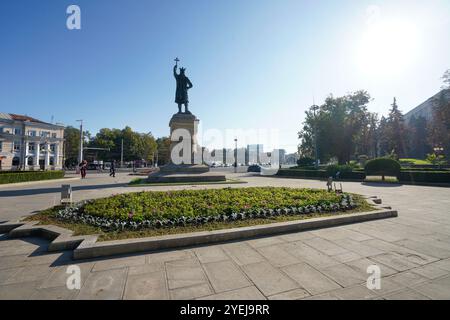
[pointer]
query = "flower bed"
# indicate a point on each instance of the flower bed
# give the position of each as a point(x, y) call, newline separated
point(146, 210)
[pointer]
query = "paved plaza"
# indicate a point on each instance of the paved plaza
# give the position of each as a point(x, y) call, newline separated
point(412, 251)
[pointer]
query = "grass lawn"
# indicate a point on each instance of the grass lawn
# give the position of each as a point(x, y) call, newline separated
point(220, 200)
point(387, 179)
point(414, 161)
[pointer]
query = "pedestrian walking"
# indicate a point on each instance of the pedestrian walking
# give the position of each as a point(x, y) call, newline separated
point(83, 169)
point(112, 170)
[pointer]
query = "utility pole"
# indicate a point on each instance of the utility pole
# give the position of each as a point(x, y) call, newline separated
point(235, 155)
point(80, 154)
point(121, 155)
point(314, 109)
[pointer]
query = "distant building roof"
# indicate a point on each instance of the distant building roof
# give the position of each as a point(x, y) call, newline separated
point(19, 117)
point(5, 116)
point(425, 109)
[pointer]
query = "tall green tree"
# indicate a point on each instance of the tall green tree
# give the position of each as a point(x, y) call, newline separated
point(136, 146)
point(439, 129)
point(338, 125)
point(163, 146)
point(396, 131)
point(72, 144)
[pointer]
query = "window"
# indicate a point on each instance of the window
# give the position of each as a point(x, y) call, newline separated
point(32, 133)
point(52, 148)
point(42, 147)
point(30, 161)
point(45, 134)
point(31, 146)
point(16, 146)
point(17, 131)
point(1, 146)
point(54, 135)
point(16, 161)
point(52, 161)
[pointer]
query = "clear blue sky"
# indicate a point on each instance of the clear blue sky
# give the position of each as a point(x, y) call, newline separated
point(254, 63)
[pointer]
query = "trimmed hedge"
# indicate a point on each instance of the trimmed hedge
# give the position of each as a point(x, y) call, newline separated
point(333, 169)
point(25, 176)
point(302, 173)
point(382, 167)
point(426, 169)
point(424, 176)
point(353, 175)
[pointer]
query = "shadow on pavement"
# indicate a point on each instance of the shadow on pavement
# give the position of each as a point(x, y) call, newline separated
point(381, 184)
point(29, 192)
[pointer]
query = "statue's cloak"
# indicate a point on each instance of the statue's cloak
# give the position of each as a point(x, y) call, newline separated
point(183, 83)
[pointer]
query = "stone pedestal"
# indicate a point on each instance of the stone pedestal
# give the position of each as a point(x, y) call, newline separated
point(188, 122)
point(185, 167)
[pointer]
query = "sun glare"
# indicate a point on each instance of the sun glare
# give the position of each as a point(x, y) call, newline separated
point(388, 47)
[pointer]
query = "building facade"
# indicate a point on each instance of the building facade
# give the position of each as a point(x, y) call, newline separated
point(425, 109)
point(30, 144)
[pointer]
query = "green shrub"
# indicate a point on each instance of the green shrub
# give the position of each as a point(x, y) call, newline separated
point(305, 162)
point(24, 176)
point(424, 176)
point(382, 167)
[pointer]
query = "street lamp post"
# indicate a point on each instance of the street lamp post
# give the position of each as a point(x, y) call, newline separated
point(314, 108)
point(438, 151)
point(235, 155)
point(80, 155)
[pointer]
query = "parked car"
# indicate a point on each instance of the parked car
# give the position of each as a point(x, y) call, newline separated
point(254, 168)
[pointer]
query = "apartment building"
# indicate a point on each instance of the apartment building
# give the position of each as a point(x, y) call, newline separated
point(30, 144)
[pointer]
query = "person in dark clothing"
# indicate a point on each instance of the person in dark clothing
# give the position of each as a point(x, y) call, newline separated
point(112, 170)
point(83, 168)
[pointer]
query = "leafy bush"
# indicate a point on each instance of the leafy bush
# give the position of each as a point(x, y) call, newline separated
point(24, 176)
point(305, 162)
point(424, 176)
point(383, 167)
point(170, 208)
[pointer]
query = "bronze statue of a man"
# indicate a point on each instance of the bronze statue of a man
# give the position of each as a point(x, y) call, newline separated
point(183, 85)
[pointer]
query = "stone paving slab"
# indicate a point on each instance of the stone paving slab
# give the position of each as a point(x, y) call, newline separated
point(225, 276)
point(189, 293)
point(268, 279)
point(248, 293)
point(104, 285)
point(310, 279)
point(147, 286)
